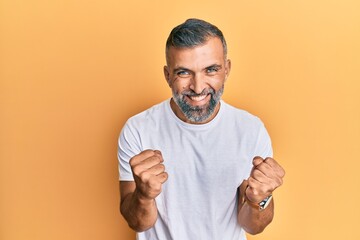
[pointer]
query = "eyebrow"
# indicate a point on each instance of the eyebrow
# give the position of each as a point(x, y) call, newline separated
point(188, 70)
point(214, 66)
point(181, 69)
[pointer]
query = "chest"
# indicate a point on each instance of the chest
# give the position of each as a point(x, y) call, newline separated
point(204, 157)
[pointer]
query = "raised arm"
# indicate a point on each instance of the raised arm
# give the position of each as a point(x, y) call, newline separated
point(138, 197)
point(265, 177)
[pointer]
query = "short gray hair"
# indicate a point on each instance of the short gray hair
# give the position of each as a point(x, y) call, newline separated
point(193, 32)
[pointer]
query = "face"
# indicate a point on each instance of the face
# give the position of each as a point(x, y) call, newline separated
point(196, 77)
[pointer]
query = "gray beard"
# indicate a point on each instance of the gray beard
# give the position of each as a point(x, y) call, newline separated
point(198, 114)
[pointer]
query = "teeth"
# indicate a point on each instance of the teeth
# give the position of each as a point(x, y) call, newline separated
point(198, 98)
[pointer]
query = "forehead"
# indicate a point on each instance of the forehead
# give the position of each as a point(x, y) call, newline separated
point(211, 52)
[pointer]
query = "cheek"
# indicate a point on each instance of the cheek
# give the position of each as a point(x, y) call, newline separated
point(184, 84)
point(180, 86)
point(216, 84)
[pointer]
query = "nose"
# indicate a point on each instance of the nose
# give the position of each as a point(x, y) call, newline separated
point(198, 84)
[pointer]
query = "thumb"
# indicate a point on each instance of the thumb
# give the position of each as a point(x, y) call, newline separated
point(257, 161)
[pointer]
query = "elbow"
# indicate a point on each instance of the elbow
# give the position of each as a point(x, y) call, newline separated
point(138, 227)
point(134, 223)
point(256, 227)
point(254, 230)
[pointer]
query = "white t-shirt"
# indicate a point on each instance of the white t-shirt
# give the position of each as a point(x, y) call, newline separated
point(205, 163)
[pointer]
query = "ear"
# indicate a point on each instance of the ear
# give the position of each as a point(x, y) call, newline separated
point(167, 75)
point(227, 68)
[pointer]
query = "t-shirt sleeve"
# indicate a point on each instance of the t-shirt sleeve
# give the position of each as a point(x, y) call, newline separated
point(263, 146)
point(128, 146)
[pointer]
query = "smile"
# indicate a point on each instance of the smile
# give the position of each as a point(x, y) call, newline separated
point(198, 100)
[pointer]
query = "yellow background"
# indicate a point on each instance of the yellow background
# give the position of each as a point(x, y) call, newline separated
point(72, 72)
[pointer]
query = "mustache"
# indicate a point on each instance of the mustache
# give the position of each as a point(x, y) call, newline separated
point(191, 93)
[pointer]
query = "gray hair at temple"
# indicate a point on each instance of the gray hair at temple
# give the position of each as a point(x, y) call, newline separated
point(193, 32)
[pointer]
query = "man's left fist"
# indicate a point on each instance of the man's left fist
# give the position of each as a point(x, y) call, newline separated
point(265, 176)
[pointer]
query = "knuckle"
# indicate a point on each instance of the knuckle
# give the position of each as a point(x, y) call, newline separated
point(282, 172)
point(273, 186)
point(257, 173)
point(132, 161)
point(136, 170)
point(147, 151)
point(251, 181)
point(264, 189)
point(161, 167)
point(154, 160)
point(157, 187)
point(158, 152)
point(144, 176)
point(159, 158)
point(263, 167)
point(272, 162)
point(146, 154)
point(254, 192)
point(154, 185)
point(165, 176)
point(280, 181)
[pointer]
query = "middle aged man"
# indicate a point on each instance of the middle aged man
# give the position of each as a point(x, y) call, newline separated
point(194, 167)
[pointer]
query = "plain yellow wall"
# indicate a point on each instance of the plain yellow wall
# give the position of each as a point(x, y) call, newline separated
point(72, 72)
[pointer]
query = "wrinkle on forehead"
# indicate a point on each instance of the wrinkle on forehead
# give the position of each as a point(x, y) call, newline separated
point(199, 57)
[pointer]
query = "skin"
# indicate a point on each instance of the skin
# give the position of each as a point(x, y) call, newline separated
point(196, 70)
point(138, 197)
point(265, 176)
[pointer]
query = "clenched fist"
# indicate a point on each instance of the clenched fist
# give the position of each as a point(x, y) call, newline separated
point(149, 173)
point(265, 176)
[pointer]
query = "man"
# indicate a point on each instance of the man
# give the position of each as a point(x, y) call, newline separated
point(194, 167)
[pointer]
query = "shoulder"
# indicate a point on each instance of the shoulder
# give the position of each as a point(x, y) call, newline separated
point(250, 128)
point(240, 116)
point(149, 116)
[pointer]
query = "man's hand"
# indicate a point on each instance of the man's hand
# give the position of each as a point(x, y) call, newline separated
point(149, 173)
point(138, 197)
point(266, 175)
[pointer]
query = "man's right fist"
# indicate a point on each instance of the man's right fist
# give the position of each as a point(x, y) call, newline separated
point(149, 173)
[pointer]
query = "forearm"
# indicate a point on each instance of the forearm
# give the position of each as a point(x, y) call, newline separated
point(252, 219)
point(265, 176)
point(140, 214)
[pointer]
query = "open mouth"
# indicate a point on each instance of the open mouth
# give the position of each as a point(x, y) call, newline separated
point(198, 99)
